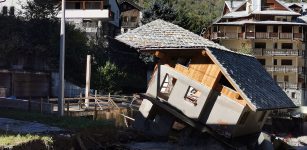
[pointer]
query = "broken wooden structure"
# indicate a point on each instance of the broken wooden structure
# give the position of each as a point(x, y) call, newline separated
point(202, 84)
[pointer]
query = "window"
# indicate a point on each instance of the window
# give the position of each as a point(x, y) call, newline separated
point(4, 10)
point(286, 29)
point(262, 61)
point(275, 61)
point(192, 95)
point(261, 28)
point(243, 118)
point(293, 95)
point(260, 45)
point(133, 19)
point(215, 29)
point(12, 11)
point(125, 19)
point(286, 78)
point(286, 45)
point(275, 29)
point(167, 86)
point(275, 77)
point(275, 45)
point(286, 62)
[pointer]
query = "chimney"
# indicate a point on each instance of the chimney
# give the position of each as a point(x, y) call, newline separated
point(231, 3)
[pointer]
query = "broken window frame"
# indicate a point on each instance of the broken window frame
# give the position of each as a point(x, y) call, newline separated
point(192, 95)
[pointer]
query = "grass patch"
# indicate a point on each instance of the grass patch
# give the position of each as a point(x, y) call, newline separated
point(71, 123)
point(14, 140)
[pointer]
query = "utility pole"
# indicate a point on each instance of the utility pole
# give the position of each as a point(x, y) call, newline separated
point(62, 63)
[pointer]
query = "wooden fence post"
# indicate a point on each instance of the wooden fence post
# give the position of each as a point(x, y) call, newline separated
point(80, 101)
point(67, 109)
point(95, 113)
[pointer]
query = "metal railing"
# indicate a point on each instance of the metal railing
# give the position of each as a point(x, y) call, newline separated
point(257, 35)
point(284, 69)
point(287, 85)
point(277, 52)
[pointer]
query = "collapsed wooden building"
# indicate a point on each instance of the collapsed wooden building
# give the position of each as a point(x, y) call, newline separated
point(202, 84)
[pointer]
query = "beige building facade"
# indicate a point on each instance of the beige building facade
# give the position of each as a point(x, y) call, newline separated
point(271, 32)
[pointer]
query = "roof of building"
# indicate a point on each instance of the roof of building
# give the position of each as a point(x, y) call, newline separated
point(277, 12)
point(131, 3)
point(235, 4)
point(268, 22)
point(160, 34)
point(250, 78)
point(237, 14)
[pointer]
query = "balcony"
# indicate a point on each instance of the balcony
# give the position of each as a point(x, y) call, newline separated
point(256, 35)
point(84, 5)
point(287, 85)
point(273, 35)
point(284, 69)
point(85, 10)
point(130, 24)
point(262, 35)
point(250, 35)
point(285, 35)
point(298, 36)
point(277, 52)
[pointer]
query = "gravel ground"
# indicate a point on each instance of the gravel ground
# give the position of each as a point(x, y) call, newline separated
point(24, 127)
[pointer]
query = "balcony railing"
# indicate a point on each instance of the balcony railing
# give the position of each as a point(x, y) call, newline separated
point(129, 24)
point(284, 69)
point(257, 35)
point(84, 5)
point(285, 35)
point(287, 85)
point(297, 35)
point(231, 35)
point(273, 35)
point(250, 35)
point(262, 35)
point(277, 52)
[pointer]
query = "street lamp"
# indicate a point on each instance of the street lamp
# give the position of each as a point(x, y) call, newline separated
point(62, 63)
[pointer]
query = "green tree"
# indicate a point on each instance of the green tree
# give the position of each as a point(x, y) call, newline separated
point(110, 78)
point(41, 9)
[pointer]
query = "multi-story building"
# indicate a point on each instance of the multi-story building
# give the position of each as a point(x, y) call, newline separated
point(131, 15)
point(271, 31)
point(95, 17)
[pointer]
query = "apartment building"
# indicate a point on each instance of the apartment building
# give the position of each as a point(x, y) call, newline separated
point(272, 32)
point(95, 17)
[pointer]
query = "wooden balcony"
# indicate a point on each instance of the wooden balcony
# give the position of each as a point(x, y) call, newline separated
point(285, 35)
point(249, 34)
point(262, 35)
point(273, 35)
point(231, 35)
point(256, 35)
point(277, 52)
point(298, 36)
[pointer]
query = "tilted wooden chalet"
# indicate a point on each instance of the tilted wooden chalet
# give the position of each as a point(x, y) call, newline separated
point(229, 92)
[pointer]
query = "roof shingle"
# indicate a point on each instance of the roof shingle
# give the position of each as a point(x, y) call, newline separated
point(160, 34)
